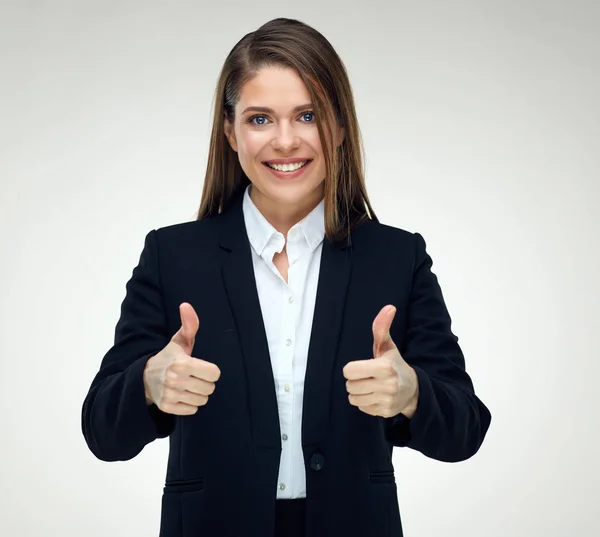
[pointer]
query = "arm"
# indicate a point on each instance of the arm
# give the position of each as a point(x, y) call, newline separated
point(450, 421)
point(116, 420)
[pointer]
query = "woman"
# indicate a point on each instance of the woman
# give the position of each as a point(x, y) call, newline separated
point(285, 341)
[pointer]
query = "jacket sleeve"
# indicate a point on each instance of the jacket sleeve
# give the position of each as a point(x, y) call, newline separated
point(116, 421)
point(450, 421)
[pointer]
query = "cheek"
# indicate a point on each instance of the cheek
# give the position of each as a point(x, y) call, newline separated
point(315, 144)
point(249, 145)
point(315, 141)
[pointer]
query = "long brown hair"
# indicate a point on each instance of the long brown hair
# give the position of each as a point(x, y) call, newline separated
point(290, 43)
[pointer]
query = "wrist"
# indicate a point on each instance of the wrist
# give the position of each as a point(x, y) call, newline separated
point(149, 400)
point(413, 403)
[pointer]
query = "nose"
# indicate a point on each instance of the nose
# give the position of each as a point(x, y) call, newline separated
point(286, 138)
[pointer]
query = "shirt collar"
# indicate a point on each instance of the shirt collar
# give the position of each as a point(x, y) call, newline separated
point(260, 231)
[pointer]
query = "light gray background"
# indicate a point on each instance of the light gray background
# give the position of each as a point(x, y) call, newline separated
point(481, 126)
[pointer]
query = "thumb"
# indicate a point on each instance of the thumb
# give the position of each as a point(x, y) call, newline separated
point(186, 335)
point(382, 341)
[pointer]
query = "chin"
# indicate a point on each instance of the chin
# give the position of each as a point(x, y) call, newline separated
point(289, 192)
point(292, 194)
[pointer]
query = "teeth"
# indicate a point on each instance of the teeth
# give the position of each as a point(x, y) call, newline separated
point(287, 167)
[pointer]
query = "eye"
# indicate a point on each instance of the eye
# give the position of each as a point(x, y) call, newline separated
point(251, 120)
point(262, 120)
point(304, 114)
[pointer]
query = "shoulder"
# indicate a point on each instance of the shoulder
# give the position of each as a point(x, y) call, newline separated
point(186, 234)
point(185, 229)
point(377, 234)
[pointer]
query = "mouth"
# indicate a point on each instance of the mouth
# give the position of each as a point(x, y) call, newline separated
point(288, 170)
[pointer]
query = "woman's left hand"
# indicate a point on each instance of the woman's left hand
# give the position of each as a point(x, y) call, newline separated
point(385, 385)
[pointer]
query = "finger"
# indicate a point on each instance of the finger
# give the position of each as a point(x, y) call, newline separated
point(203, 370)
point(358, 369)
point(372, 410)
point(197, 386)
point(361, 369)
point(365, 400)
point(382, 341)
point(192, 398)
point(185, 367)
point(175, 392)
point(368, 386)
point(189, 323)
point(179, 409)
point(186, 335)
point(361, 387)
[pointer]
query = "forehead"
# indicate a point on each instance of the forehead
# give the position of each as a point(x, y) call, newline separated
point(276, 87)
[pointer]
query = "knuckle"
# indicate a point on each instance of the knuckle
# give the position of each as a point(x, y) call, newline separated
point(166, 399)
point(170, 382)
point(177, 366)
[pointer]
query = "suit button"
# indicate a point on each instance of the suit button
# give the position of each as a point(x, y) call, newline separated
point(317, 461)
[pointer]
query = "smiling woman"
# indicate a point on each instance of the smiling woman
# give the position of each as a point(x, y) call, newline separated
point(279, 150)
point(285, 340)
point(285, 105)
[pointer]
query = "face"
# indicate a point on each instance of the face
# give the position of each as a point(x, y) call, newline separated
point(274, 126)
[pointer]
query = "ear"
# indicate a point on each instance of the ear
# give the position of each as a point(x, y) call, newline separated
point(229, 132)
point(340, 135)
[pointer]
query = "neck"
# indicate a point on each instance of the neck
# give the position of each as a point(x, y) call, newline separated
point(284, 216)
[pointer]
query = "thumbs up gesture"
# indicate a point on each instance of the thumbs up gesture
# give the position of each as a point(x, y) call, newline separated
point(385, 385)
point(175, 381)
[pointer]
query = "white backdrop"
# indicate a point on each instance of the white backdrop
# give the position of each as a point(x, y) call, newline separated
point(481, 125)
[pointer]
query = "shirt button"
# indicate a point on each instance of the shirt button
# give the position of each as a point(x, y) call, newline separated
point(288, 342)
point(290, 299)
point(284, 436)
point(287, 388)
point(281, 486)
point(292, 232)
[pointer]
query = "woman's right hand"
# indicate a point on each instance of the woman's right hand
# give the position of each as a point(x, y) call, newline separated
point(175, 381)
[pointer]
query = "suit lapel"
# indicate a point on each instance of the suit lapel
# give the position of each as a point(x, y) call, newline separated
point(334, 276)
point(240, 286)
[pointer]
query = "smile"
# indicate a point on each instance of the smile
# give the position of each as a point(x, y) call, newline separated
point(288, 167)
point(288, 171)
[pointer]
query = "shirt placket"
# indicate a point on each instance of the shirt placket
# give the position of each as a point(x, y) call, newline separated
point(288, 326)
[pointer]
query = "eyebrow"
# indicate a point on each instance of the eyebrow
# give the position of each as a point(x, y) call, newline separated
point(271, 111)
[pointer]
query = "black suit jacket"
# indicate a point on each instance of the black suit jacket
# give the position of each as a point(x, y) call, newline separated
point(222, 472)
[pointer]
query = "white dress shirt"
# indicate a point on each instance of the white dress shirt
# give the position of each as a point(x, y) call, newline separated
point(287, 311)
